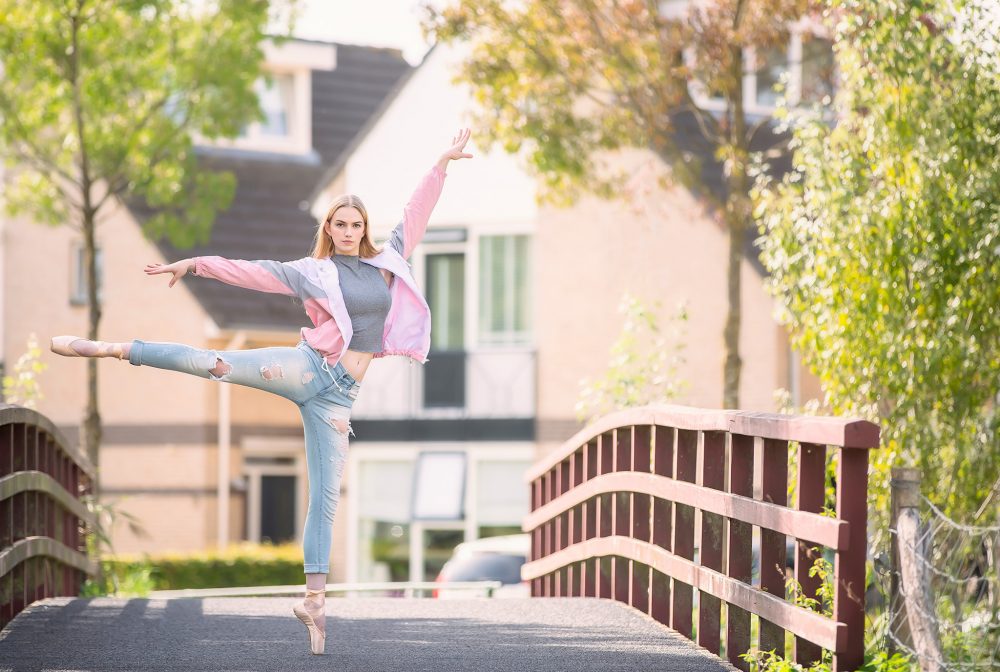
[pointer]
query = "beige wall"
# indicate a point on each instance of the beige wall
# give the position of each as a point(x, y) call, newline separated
point(38, 272)
point(664, 246)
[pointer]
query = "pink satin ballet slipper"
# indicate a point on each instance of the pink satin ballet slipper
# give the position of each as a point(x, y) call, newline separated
point(317, 638)
point(61, 345)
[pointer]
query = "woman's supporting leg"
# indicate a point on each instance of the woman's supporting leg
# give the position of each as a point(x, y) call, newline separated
point(326, 428)
point(285, 371)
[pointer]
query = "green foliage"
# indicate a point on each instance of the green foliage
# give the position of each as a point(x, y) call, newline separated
point(240, 565)
point(883, 244)
point(102, 99)
point(823, 602)
point(22, 388)
point(644, 363)
point(769, 661)
point(111, 579)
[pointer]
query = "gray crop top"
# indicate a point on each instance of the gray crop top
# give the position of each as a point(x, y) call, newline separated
point(366, 296)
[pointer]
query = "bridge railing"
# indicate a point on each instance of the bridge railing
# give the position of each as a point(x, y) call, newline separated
point(42, 518)
point(615, 510)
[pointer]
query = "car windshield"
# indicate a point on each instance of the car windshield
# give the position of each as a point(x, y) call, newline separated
point(501, 567)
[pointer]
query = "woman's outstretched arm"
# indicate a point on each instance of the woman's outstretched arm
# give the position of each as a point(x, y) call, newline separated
point(262, 275)
point(409, 232)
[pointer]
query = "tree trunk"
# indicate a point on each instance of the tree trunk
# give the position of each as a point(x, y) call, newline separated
point(737, 219)
point(92, 417)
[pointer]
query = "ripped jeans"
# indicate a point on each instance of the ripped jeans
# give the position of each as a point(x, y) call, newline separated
point(324, 397)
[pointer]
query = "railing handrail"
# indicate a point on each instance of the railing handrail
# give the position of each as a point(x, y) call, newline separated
point(831, 431)
point(10, 414)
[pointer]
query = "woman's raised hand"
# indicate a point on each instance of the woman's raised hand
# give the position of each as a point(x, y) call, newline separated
point(178, 269)
point(456, 151)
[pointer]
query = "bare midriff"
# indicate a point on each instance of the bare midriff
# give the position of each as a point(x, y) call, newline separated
point(356, 363)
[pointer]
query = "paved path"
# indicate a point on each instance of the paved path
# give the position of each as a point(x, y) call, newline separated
point(370, 634)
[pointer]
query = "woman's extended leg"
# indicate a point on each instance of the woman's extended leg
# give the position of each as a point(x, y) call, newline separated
point(285, 371)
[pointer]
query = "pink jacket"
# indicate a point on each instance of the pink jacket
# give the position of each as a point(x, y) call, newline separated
point(315, 282)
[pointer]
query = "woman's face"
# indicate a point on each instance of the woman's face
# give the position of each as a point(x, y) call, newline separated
point(346, 228)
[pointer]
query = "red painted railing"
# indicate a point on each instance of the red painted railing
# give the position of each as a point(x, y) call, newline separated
point(615, 509)
point(42, 520)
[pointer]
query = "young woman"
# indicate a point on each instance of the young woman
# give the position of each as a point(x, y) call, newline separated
point(363, 303)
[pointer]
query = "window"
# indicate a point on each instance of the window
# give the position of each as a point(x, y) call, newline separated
point(273, 490)
point(276, 96)
point(78, 292)
point(444, 372)
point(277, 508)
point(504, 302)
point(285, 99)
point(818, 69)
point(446, 298)
point(805, 59)
point(772, 64)
point(501, 497)
point(384, 520)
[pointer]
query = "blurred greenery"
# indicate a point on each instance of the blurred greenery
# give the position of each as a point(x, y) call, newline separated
point(242, 564)
point(644, 365)
point(22, 387)
point(883, 245)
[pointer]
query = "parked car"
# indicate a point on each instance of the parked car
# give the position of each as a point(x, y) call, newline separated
point(488, 559)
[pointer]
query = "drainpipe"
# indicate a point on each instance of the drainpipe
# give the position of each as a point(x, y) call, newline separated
point(225, 440)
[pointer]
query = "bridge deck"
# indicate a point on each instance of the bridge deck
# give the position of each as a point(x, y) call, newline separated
point(362, 634)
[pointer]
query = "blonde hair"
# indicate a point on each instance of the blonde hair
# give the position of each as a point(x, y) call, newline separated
point(323, 243)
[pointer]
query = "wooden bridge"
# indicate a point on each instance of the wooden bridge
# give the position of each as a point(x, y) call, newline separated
point(643, 536)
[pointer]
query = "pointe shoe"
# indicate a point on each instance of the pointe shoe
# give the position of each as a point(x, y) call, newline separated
point(317, 639)
point(61, 346)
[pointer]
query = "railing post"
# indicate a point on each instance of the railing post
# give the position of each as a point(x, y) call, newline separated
point(591, 565)
point(773, 552)
point(810, 491)
point(641, 509)
point(605, 564)
point(686, 456)
point(741, 450)
point(913, 573)
point(621, 568)
point(663, 465)
point(904, 489)
point(713, 475)
point(849, 567)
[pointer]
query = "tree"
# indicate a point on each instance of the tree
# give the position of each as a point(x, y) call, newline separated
point(99, 102)
point(566, 79)
point(883, 243)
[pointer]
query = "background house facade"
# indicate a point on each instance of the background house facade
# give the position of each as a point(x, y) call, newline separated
point(524, 300)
